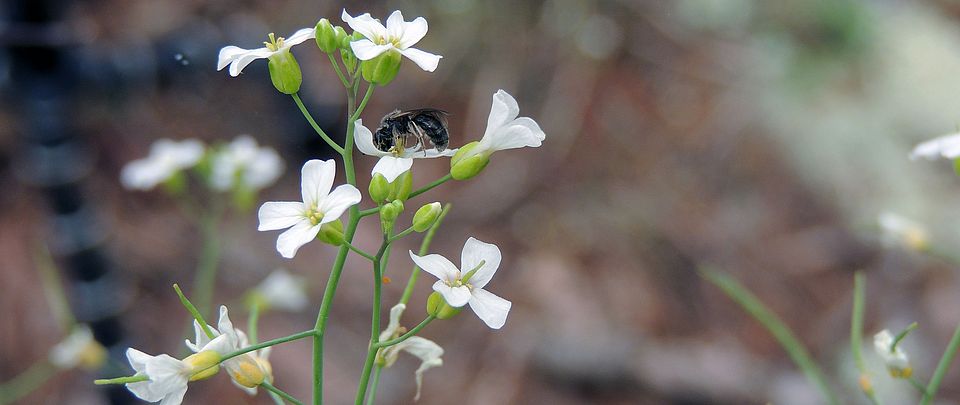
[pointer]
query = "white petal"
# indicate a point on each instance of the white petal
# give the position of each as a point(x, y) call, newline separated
point(224, 325)
point(394, 323)
point(366, 50)
point(947, 146)
point(413, 32)
point(428, 153)
point(175, 397)
point(395, 25)
point(503, 110)
point(200, 337)
point(143, 391)
point(275, 215)
point(316, 180)
point(138, 360)
point(67, 353)
point(455, 296)
point(363, 138)
point(222, 344)
point(341, 198)
point(521, 132)
point(244, 59)
point(429, 354)
point(437, 265)
point(298, 37)
point(426, 60)
point(392, 167)
point(490, 308)
point(475, 251)
point(298, 235)
point(364, 24)
point(228, 54)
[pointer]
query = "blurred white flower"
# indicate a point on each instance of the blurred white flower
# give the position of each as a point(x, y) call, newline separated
point(168, 377)
point(895, 358)
point(397, 35)
point(319, 206)
point(282, 290)
point(478, 263)
point(505, 130)
point(238, 58)
point(901, 231)
point(392, 164)
point(244, 163)
point(947, 146)
point(426, 350)
point(78, 349)
point(166, 158)
point(246, 370)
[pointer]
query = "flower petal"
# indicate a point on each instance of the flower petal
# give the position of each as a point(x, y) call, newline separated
point(242, 60)
point(366, 50)
point(275, 215)
point(200, 337)
point(298, 235)
point(364, 24)
point(392, 167)
point(503, 110)
point(429, 354)
point(437, 265)
point(455, 296)
point(298, 37)
point(412, 33)
point(475, 251)
point(316, 180)
point(490, 308)
point(521, 132)
point(342, 197)
point(228, 54)
point(947, 146)
point(426, 60)
point(394, 323)
point(176, 396)
point(138, 360)
point(363, 138)
point(395, 25)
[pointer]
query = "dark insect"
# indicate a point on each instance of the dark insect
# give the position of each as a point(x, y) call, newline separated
point(425, 124)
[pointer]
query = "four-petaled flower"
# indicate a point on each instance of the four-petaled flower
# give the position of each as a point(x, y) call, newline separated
point(238, 58)
point(167, 157)
point(319, 206)
point(244, 163)
point(505, 130)
point(246, 370)
point(393, 163)
point(478, 263)
point(167, 377)
point(898, 365)
point(398, 35)
point(426, 350)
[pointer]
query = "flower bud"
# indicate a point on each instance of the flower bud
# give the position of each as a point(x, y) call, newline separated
point(401, 187)
point(285, 72)
point(382, 69)
point(379, 188)
point(438, 307)
point(426, 216)
point(332, 233)
point(389, 213)
point(203, 365)
point(348, 58)
point(343, 40)
point(327, 39)
point(246, 371)
point(463, 168)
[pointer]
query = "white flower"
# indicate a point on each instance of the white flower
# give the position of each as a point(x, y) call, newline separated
point(238, 58)
point(896, 360)
point(246, 370)
point(478, 263)
point(282, 290)
point(426, 350)
point(397, 35)
point(245, 163)
point(392, 164)
point(901, 231)
point(947, 146)
point(166, 158)
point(78, 349)
point(167, 376)
point(505, 130)
point(319, 206)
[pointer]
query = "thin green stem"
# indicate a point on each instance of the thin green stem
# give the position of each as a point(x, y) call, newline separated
point(424, 249)
point(374, 323)
point(253, 321)
point(336, 67)
point(193, 311)
point(426, 321)
point(27, 382)
point(430, 186)
point(271, 342)
point(942, 367)
point(916, 383)
point(369, 212)
point(373, 386)
point(400, 235)
point(53, 288)
point(363, 103)
point(279, 392)
point(752, 305)
point(358, 251)
point(206, 275)
point(856, 321)
point(121, 380)
point(316, 127)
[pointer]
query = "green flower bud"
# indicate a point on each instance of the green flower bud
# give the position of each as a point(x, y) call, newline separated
point(285, 72)
point(379, 188)
point(389, 214)
point(342, 37)
point(439, 308)
point(326, 37)
point(463, 168)
point(349, 60)
point(382, 69)
point(426, 216)
point(332, 233)
point(203, 365)
point(402, 186)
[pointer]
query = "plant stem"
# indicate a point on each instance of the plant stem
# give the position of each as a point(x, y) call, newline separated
point(856, 321)
point(358, 251)
point(407, 335)
point(252, 322)
point(374, 323)
point(942, 367)
point(27, 381)
point(279, 392)
point(373, 385)
point(121, 380)
point(306, 114)
point(193, 311)
point(362, 106)
point(272, 342)
point(371, 211)
point(336, 67)
point(403, 233)
point(203, 282)
point(776, 327)
point(430, 186)
point(424, 249)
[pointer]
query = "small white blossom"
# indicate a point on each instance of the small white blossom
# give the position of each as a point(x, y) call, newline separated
point(78, 349)
point(243, 162)
point(896, 360)
point(426, 350)
point(947, 146)
point(282, 290)
point(397, 35)
point(166, 158)
point(238, 58)
point(167, 376)
point(505, 130)
point(241, 367)
point(478, 263)
point(901, 231)
point(393, 163)
point(319, 206)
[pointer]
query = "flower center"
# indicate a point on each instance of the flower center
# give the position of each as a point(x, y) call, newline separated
point(314, 215)
point(275, 42)
point(464, 281)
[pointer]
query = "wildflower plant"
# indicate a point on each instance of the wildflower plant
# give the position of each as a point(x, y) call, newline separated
point(365, 54)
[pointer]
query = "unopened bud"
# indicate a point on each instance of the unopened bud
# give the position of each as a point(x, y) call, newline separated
point(464, 166)
point(401, 187)
point(426, 216)
point(332, 233)
point(439, 308)
point(203, 365)
point(379, 188)
point(326, 37)
point(382, 69)
point(389, 213)
point(285, 72)
point(246, 371)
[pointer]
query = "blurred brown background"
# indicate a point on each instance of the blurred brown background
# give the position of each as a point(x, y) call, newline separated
point(759, 137)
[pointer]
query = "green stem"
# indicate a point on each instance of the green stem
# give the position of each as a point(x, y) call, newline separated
point(122, 380)
point(279, 392)
point(53, 288)
point(252, 322)
point(403, 233)
point(373, 385)
point(369, 212)
point(776, 327)
point(306, 114)
point(363, 104)
point(426, 321)
point(424, 249)
point(27, 382)
point(430, 186)
point(193, 311)
point(272, 342)
point(918, 385)
point(856, 321)
point(203, 282)
point(336, 67)
point(374, 323)
point(358, 251)
point(942, 367)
